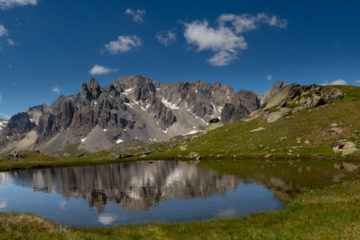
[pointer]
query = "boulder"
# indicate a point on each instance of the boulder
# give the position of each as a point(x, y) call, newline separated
point(274, 116)
point(257, 130)
point(194, 155)
point(345, 148)
point(183, 148)
point(336, 130)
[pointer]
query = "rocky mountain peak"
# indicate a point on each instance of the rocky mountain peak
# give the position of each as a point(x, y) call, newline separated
point(217, 85)
point(91, 90)
point(131, 108)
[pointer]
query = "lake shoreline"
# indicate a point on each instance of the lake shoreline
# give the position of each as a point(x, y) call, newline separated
point(334, 209)
point(46, 161)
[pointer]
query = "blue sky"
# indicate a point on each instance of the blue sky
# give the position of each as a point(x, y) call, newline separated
point(49, 47)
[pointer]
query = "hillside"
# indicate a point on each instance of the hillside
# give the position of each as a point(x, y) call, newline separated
point(319, 129)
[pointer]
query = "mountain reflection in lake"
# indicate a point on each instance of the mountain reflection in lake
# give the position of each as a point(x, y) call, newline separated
point(136, 192)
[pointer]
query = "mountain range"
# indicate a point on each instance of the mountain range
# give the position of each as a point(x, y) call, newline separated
point(132, 108)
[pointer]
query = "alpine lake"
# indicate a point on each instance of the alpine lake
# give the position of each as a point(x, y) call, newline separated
point(164, 191)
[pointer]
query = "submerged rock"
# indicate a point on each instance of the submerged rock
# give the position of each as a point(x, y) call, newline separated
point(350, 167)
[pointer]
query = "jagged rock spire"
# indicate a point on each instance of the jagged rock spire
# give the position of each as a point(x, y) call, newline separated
point(91, 90)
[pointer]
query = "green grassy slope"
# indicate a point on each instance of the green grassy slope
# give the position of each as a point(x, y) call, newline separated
point(284, 138)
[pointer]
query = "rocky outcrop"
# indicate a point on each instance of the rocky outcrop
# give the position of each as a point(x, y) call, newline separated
point(294, 98)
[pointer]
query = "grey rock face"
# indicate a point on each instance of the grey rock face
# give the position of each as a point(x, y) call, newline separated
point(242, 104)
point(19, 124)
point(130, 108)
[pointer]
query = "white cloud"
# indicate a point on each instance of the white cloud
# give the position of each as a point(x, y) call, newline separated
point(136, 14)
point(205, 37)
point(3, 31)
point(5, 4)
point(222, 58)
point(62, 204)
point(10, 42)
point(166, 38)
point(226, 40)
point(223, 41)
point(3, 204)
point(246, 22)
point(275, 21)
point(5, 116)
point(98, 70)
point(106, 219)
point(56, 89)
point(269, 77)
point(357, 81)
point(123, 44)
point(336, 82)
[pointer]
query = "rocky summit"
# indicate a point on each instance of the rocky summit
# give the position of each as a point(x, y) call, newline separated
point(131, 108)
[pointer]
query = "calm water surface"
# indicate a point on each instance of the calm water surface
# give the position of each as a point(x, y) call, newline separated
point(148, 191)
